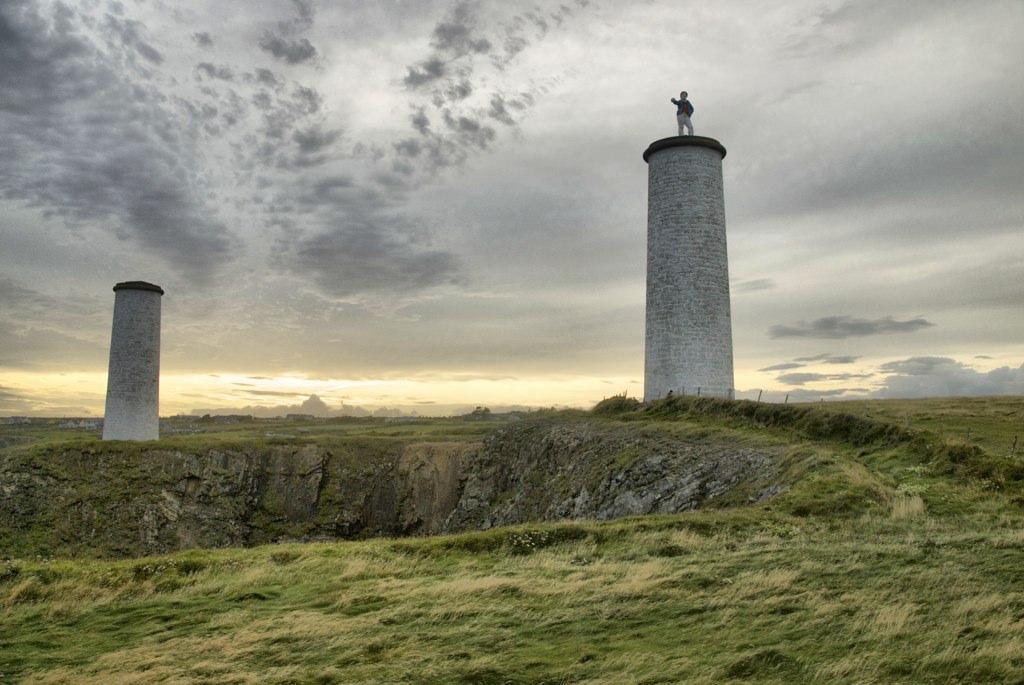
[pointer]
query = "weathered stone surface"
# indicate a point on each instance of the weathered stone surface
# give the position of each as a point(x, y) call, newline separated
point(119, 501)
point(688, 337)
point(430, 476)
point(133, 377)
point(593, 470)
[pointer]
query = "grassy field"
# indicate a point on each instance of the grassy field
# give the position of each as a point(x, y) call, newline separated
point(897, 556)
point(994, 423)
point(191, 433)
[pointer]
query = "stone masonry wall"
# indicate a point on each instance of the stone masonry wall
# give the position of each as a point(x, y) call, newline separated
point(688, 343)
point(133, 378)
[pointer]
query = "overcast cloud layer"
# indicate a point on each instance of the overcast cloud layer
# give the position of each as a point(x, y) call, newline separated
point(433, 189)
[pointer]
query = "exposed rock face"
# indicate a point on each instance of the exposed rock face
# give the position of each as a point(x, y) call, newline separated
point(430, 476)
point(110, 502)
point(597, 471)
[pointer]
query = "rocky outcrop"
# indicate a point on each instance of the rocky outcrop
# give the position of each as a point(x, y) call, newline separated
point(129, 500)
point(599, 470)
point(430, 476)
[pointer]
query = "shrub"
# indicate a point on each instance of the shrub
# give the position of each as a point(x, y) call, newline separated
point(615, 405)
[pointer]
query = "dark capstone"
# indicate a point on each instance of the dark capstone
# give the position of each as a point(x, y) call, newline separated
point(138, 285)
point(680, 141)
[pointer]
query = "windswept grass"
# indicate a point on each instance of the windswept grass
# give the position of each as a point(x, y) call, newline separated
point(925, 441)
point(895, 554)
point(706, 597)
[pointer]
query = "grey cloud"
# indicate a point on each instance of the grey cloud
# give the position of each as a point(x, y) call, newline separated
point(33, 347)
point(838, 327)
point(458, 37)
point(439, 150)
point(804, 378)
point(515, 31)
point(304, 16)
point(13, 403)
point(943, 376)
point(994, 283)
point(427, 71)
point(327, 185)
point(754, 285)
point(263, 100)
point(271, 393)
point(499, 111)
point(84, 143)
point(913, 166)
point(373, 256)
point(293, 135)
point(27, 308)
point(202, 39)
point(852, 26)
point(530, 250)
point(782, 367)
point(469, 131)
point(131, 34)
point(454, 35)
point(449, 74)
point(308, 99)
point(420, 121)
point(18, 301)
point(287, 50)
point(514, 44)
point(918, 366)
point(452, 38)
point(410, 147)
point(266, 77)
point(313, 405)
point(538, 21)
point(457, 91)
point(222, 72)
point(396, 179)
point(315, 139)
point(829, 358)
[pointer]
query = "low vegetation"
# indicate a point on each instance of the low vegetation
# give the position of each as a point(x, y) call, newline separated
point(894, 554)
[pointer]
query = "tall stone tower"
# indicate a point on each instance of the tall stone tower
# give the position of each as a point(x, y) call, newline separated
point(688, 342)
point(133, 378)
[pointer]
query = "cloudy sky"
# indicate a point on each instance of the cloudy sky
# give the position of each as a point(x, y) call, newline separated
point(426, 204)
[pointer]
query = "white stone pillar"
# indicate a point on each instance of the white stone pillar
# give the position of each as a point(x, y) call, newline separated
point(133, 377)
point(688, 340)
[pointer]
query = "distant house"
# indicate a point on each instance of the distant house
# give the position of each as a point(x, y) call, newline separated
point(87, 424)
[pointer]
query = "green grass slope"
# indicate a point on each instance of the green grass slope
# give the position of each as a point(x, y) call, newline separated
point(895, 554)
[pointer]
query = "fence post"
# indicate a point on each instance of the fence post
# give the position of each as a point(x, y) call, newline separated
point(786, 401)
point(698, 391)
point(759, 395)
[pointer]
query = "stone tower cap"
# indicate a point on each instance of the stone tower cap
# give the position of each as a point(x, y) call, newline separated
point(682, 141)
point(138, 285)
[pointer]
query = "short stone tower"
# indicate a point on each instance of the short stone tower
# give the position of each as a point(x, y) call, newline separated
point(688, 342)
point(133, 378)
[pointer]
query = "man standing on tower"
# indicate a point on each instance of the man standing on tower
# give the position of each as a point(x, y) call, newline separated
point(684, 108)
